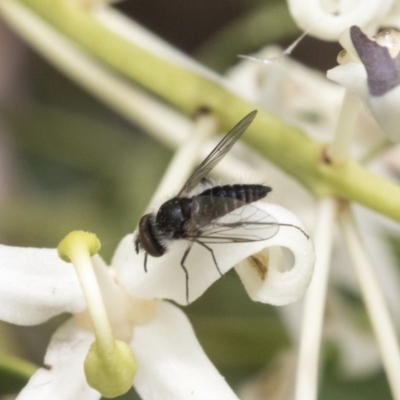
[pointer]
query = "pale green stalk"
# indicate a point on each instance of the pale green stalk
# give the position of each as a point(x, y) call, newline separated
point(339, 151)
point(314, 304)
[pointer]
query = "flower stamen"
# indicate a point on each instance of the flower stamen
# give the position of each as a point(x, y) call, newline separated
point(110, 365)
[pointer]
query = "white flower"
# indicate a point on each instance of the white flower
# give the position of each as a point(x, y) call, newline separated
point(328, 19)
point(37, 285)
point(376, 79)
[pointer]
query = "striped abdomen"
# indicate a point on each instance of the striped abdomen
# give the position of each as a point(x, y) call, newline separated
point(234, 196)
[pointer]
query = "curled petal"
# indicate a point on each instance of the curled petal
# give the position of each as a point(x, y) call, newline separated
point(63, 377)
point(172, 364)
point(264, 275)
point(328, 23)
point(165, 277)
point(36, 285)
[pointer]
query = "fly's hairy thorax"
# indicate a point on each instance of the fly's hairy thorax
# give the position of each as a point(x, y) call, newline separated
point(171, 217)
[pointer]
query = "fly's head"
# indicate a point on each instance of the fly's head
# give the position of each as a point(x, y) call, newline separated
point(147, 237)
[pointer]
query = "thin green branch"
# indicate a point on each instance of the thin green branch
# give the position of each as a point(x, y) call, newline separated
point(266, 24)
point(286, 146)
point(14, 373)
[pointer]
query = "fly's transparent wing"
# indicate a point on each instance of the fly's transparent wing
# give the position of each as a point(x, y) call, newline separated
point(207, 209)
point(217, 154)
point(226, 220)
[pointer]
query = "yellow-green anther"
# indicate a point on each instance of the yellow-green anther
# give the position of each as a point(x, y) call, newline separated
point(110, 373)
point(78, 240)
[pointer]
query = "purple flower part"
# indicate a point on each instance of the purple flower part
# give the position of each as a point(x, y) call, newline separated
point(383, 71)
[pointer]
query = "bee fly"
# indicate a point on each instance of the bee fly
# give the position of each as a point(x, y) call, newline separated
point(197, 218)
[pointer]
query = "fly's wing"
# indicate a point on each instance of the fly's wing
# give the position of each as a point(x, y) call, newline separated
point(217, 154)
point(227, 220)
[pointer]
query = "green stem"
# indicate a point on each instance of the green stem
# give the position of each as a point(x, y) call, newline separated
point(286, 146)
point(14, 373)
point(263, 25)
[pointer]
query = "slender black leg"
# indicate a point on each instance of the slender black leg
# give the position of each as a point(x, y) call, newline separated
point(206, 182)
point(212, 254)
point(186, 271)
point(145, 262)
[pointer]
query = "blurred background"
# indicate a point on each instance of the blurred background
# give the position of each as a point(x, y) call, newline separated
point(67, 162)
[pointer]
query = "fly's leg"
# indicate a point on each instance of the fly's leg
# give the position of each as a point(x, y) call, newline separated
point(212, 254)
point(206, 182)
point(186, 271)
point(145, 262)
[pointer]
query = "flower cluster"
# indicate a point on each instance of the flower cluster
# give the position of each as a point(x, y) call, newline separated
point(123, 330)
point(117, 309)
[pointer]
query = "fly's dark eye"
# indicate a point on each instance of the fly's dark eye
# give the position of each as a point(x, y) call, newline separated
point(148, 237)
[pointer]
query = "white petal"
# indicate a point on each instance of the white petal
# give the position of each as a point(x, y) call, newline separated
point(321, 22)
point(35, 285)
point(64, 377)
point(280, 287)
point(165, 277)
point(171, 362)
point(385, 109)
point(352, 76)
